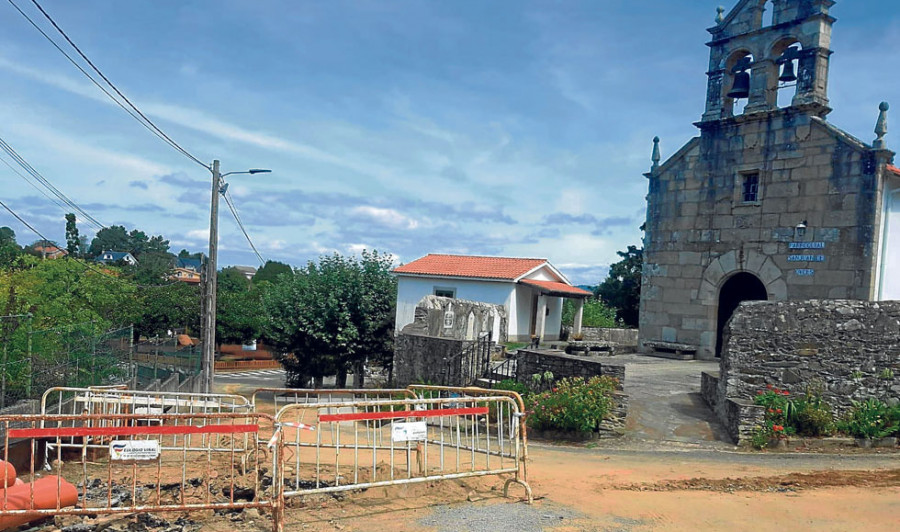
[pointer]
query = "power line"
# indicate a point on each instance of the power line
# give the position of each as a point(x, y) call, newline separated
point(133, 111)
point(82, 263)
point(46, 183)
point(34, 186)
point(237, 219)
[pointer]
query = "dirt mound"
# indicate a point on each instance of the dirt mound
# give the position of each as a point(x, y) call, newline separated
point(791, 482)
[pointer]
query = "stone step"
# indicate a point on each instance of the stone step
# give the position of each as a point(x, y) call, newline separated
point(671, 356)
point(485, 382)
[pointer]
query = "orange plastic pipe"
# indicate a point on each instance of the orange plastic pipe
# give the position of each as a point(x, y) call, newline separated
point(9, 471)
point(45, 490)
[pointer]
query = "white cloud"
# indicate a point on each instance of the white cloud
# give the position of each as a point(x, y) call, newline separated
point(386, 217)
point(198, 234)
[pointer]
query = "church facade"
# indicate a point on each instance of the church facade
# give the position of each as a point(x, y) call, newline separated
point(770, 201)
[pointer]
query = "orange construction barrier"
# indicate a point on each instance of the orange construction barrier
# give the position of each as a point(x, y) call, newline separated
point(45, 497)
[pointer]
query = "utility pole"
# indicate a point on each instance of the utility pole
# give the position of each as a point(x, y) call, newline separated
point(208, 360)
point(209, 299)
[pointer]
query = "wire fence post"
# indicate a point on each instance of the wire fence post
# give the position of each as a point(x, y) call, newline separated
point(29, 356)
point(132, 368)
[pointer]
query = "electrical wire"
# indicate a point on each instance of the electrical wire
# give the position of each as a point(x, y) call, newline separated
point(133, 111)
point(34, 186)
point(237, 218)
point(82, 263)
point(47, 184)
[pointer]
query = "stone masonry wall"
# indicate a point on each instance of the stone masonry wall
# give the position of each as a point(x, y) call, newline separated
point(419, 358)
point(563, 366)
point(627, 339)
point(699, 231)
point(850, 349)
point(459, 319)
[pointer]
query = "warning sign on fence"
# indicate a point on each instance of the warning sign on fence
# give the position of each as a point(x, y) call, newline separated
point(134, 450)
point(411, 431)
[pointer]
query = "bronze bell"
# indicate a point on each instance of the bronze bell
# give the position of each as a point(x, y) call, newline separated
point(787, 73)
point(741, 87)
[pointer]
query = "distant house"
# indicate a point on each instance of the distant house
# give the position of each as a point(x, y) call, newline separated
point(48, 250)
point(187, 270)
point(108, 257)
point(531, 290)
point(248, 271)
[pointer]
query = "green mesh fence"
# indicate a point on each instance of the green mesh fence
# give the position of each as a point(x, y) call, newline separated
point(33, 360)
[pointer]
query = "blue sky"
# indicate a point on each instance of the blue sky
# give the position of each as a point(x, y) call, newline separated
point(506, 127)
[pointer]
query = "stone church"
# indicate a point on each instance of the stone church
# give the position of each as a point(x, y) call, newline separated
point(771, 201)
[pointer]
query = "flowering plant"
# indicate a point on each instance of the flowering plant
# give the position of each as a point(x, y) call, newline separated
point(572, 404)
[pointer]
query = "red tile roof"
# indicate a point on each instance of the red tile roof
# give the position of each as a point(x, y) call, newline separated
point(505, 268)
point(893, 169)
point(554, 287)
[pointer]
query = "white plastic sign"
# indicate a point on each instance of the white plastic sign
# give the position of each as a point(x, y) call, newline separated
point(410, 431)
point(134, 450)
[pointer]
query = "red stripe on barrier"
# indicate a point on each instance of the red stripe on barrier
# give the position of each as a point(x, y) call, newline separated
point(371, 416)
point(65, 432)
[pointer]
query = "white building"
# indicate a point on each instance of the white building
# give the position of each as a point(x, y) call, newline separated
point(531, 290)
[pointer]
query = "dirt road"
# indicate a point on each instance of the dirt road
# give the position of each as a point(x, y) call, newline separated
point(657, 489)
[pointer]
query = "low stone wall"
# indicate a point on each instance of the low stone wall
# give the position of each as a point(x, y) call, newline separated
point(847, 350)
point(562, 366)
point(529, 362)
point(626, 339)
point(420, 358)
point(709, 388)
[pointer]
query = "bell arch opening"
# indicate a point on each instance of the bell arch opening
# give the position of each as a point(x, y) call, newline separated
point(742, 286)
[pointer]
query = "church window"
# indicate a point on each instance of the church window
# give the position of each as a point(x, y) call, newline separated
point(750, 190)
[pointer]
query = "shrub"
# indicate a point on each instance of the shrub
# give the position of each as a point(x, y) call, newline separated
point(512, 385)
point(775, 420)
point(869, 419)
point(572, 405)
point(811, 416)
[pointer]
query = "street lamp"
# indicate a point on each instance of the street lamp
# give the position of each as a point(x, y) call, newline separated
point(208, 363)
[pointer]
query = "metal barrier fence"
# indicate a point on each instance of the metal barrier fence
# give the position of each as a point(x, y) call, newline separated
point(282, 397)
point(149, 405)
point(364, 444)
point(141, 467)
point(426, 391)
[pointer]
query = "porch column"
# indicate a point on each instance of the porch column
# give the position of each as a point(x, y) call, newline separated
point(541, 318)
point(579, 314)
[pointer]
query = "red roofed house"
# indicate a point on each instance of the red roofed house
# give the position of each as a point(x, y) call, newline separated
point(531, 290)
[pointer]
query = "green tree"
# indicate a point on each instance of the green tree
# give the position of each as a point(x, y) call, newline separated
point(136, 242)
point(239, 314)
point(66, 292)
point(231, 279)
point(331, 316)
point(185, 254)
point(9, 248)
point(168, 307)
point(112, 238)
point(153, 268)
point(622, 287)
point(270, 271)
point(595, 314)
point(72, 240)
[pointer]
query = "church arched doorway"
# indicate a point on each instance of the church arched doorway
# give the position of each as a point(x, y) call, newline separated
point(740, 287)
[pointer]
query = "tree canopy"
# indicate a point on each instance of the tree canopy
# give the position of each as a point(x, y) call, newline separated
point(622, 287)
point(136, 242)
point(270, 271)
point(331, 316)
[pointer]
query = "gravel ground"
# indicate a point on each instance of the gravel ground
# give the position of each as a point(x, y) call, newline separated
point(513, 517)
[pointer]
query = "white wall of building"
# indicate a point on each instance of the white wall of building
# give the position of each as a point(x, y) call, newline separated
point(889, 258)
point(516, 298)
point(411, 290)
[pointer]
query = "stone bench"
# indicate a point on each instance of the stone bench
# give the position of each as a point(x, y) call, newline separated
point(680, 350)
